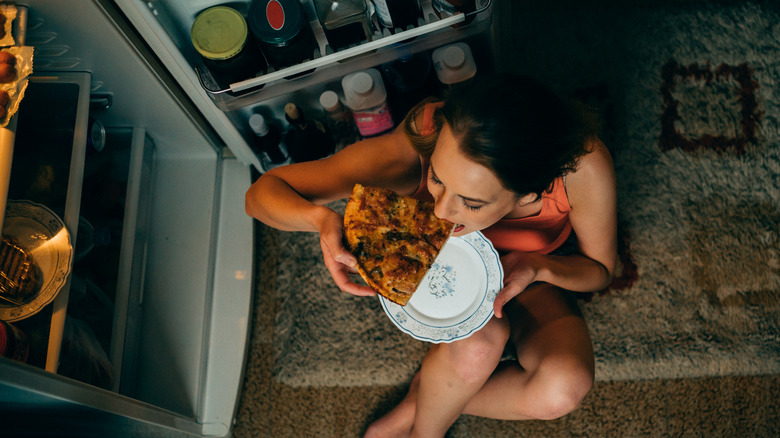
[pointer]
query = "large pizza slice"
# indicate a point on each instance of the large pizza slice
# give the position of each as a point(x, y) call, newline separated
point(395, 239)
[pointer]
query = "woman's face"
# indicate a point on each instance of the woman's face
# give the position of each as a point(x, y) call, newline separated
point(467, 193)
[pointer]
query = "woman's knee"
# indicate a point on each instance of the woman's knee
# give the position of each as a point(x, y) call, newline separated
point(475, 358)
point(564, 383)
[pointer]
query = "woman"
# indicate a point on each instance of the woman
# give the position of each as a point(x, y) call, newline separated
point(509, 157)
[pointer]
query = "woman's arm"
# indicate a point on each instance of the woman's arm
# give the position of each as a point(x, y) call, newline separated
point(291, 197)
point(592, 195)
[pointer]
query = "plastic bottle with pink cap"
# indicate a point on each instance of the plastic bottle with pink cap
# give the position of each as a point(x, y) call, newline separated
point(365, 95)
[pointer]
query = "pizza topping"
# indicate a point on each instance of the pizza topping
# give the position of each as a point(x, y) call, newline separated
point(394, 238)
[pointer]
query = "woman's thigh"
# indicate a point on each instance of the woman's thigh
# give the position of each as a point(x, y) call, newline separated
point(546, 324)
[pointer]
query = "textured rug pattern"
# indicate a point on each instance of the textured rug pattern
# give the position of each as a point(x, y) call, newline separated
point(699, 202)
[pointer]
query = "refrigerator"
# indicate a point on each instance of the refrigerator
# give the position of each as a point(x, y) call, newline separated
point(146, 164)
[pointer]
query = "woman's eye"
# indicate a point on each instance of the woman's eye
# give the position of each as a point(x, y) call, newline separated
point(435, 180)
point(472, 207)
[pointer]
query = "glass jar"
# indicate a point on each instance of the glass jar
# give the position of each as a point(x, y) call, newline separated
point(282, 31)
point(221, 37)
point(345, 22)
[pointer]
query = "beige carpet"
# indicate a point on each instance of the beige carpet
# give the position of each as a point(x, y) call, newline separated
point(687, 340)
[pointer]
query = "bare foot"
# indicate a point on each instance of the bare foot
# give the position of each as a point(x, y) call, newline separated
point(398, 422)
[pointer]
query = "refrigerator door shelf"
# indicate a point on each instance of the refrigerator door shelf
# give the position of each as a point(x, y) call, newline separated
point(164, 25)
point(384, 47)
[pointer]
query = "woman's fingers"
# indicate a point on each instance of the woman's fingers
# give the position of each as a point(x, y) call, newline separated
point(340, 271)
point(505, 295)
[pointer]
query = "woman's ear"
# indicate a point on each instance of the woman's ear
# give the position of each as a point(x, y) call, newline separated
point(527, 199)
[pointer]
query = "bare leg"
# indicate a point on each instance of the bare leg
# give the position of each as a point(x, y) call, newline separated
point(556, 354)
point(398, 422)
point(446, 364)
point(452, 374)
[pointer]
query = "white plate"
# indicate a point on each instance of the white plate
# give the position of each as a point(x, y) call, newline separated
point(455, 299)
point(43, 235)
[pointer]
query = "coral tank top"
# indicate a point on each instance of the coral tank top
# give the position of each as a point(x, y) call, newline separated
point(541, 233)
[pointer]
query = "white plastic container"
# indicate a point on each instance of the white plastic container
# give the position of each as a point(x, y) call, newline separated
point(365, 95)
point(454, 64)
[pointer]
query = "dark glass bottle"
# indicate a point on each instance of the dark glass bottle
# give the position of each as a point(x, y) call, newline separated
point(339, 120)
point(306, 140)
point(397, 14)
point(267, 143)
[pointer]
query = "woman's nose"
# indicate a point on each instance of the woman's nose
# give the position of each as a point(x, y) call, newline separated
point(444, 207)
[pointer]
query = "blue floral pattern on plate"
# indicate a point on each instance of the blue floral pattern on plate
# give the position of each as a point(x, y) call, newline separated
point(455, 299)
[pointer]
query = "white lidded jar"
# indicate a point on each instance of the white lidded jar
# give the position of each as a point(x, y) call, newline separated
point(454, 64)
point(365, 95)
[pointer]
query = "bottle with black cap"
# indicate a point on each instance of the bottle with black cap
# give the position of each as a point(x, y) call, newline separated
point(306, 140)
point(267, 144)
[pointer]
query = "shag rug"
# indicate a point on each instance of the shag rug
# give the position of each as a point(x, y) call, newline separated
point(691, 103)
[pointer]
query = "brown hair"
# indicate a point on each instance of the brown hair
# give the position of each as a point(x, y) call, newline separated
point(522, 130)
point(423, 144)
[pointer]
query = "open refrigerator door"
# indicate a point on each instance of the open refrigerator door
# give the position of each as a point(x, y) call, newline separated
point(166, 27)
point(181, 302)
point(159, 274)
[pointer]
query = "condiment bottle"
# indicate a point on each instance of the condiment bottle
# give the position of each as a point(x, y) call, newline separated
point(397, 14)
point(13, 342)
point(220, 36)
point(339, 120)
point(282, 31)
point(365, 95)
point(454, 64)
point(345, 22)
point(267, 144)
point(306, 140)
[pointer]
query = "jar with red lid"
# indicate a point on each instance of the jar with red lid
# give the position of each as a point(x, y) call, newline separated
point(221, 37)
point(282, 31)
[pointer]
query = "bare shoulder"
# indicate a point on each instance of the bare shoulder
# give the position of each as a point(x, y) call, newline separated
point(598, 159)
point(595, 175)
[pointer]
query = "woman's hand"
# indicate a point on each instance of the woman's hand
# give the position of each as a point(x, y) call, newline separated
point(340, 262)
point(519, 271)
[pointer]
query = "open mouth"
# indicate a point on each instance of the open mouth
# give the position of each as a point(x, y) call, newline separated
point(458, 228)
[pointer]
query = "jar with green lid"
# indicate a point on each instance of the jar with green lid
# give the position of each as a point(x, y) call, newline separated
point(221, 37)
